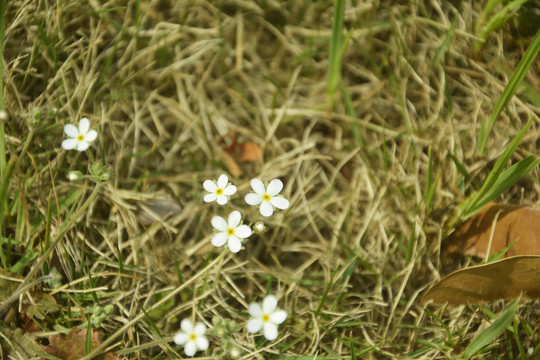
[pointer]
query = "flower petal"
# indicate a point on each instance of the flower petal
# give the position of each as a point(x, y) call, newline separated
point(186, 325)
point(280, 202)
point(180, 338)
point(222, 181)
point(83, 145)
point(234, 218)
point(191, 348)
point(200, 329)
point(278, 316)
point(70, 144)
point(243, 231)
point(234, 244)
point(255, 310)
point(219, 223)
point(71, 130)
point(229, 190)
point(254, 325)
point(270, 331)
point(222, 199)
point(219, 239)
point(202, 343)
point(84, 125)
point(91, 136)
point(266, 209)
point(253, 199)
point(209, 186)
point(274, 187)
point(269, 304)
point(210, 197)
point(258, 186)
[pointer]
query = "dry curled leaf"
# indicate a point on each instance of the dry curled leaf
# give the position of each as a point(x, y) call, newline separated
point(72, 346)
point(507, 223)
point(504, 279)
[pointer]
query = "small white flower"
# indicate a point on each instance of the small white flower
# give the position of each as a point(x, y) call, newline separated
point(267, 197)
point(80, 137)
point(267, 317)
point(220, 190)
point(192, 337)
point(230, 231)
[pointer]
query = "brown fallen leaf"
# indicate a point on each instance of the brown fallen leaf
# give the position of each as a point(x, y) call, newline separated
point(250, 152)
point(72, 346)
point(513, 223)
point(503, 279)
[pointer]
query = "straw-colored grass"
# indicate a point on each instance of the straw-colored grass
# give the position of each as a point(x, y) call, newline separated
point(168, 85)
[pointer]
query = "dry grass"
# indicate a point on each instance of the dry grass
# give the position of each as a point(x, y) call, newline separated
point(168, 84)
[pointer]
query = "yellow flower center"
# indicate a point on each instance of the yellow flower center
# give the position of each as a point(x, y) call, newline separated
point(230, 231)
point(265, 318)
point(219, 191)
point(266, 197)
point(192, 336)
point(80, 137)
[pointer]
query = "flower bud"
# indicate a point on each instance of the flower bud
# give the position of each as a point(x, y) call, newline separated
point(259, 227)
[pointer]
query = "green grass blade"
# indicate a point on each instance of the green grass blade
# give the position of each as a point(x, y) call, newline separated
point(492, 332)
point(493, 177)
point(500, 18)
point(2, 130)
point(334, 64)
point(510, 89)
point(505, 181)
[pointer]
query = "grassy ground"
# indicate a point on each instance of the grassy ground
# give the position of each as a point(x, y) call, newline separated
point(374, 163)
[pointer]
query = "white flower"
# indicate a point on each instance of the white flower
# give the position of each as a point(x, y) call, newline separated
point(267, 317)
point(267, 197)
point(230, 231)
point(81, 137)
point(192, 337)
point(220, 190)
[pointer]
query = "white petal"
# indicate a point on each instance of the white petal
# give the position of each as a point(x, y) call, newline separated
point(280, 202)
point(69, 144)
point(254, 325)
point(219, 239)
point(266, 209)
point(202, 343)
point(269, 304)
point(229, 190)
point(71, 130)
point(84, 126)
point(186, 325)
point(222, 181)
point(190, 348)
point(278, 316)
point(91, 136)
point(234, 244)
point(243, 231)
point(210, 197)
point(222, 199)
point(180, 338)
point(253, 199)
point(274, 187)
point(83, 145)
point(270, 331)
point(255, 310)
point(258, 186)
point(200, 329)
point(219, 223)
point(209, 186)
point(234, 218)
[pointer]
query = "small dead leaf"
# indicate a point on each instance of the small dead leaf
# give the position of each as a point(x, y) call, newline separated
point(513, 222)
point(161, 208)
point(504, 279)
point(250, 152)
point(72, 346)
point(231, 165)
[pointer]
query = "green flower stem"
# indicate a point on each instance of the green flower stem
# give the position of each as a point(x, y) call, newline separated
point(24, 285)
point(98, 350)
